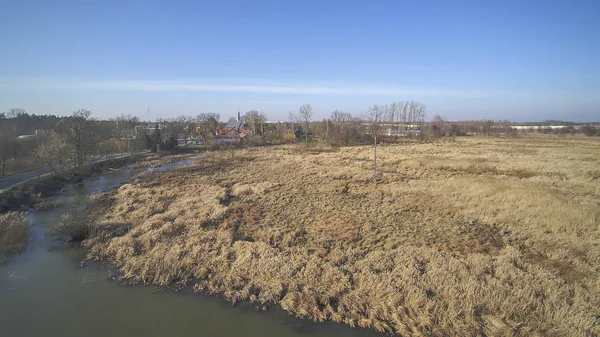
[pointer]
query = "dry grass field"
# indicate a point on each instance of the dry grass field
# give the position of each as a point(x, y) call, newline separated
point(473, 237)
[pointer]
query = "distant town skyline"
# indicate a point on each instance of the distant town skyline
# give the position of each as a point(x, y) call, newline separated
point(519, 60)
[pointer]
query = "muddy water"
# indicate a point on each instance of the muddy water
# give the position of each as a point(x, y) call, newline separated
point(45, 292)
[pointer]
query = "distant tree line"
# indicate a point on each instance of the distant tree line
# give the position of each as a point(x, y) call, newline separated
point(68, 143)
point(440, 127)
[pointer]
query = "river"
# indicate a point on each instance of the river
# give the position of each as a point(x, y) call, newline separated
point(45, 292)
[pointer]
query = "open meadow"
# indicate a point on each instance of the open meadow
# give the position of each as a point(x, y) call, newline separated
point(477, 236)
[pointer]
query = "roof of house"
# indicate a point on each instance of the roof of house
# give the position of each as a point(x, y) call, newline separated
point(231, 133)
point(236, 124)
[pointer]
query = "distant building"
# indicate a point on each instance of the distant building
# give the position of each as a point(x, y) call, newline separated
point(43, 132)
point(149, 129)
point(535, 127)
point(234, 132)
point(183, 139)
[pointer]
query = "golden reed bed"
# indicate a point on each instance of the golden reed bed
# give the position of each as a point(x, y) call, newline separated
point(496, 237)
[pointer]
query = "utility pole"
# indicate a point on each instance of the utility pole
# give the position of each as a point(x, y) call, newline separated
point(375, 159)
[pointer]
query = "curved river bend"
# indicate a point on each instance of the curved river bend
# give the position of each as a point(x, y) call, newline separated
point(45, 292)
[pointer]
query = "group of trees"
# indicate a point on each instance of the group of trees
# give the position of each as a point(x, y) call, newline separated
point(255, 122)
point(79, 137)
point(66, 144)
point(207, 124)
point(589, 130)
point(14, 123)
point(385, 121)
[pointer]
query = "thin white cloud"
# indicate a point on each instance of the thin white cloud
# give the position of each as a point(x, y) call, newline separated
point(271, 102)
point(270, 88)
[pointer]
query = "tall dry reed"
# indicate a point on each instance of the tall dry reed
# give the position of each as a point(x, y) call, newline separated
point(14, 233)
point(491, 237)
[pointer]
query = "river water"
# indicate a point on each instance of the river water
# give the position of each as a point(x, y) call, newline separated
point(45, 292)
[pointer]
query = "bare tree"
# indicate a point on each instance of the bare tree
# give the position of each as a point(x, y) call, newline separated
point(391, 112)
point(421, 111)
point(412, 111)
point(207, 125)
point(404, 114)
point(15, 112)
point(438, 126)
point(80, 134)
point(293, 119)
point(375, 113)
point(305, 113)
point(55, 152)
point(338, 116)
point(125, 130)
point(322, 129)
point(255, 120)
point(410, 115)
point(186, 124)
point(488, 126)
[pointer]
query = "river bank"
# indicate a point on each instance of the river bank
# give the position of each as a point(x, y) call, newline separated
point(36, 192)
point(46, 291)
point(455, 239)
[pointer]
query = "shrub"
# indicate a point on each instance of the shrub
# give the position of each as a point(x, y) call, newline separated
point(589, 130)
point(78, 223)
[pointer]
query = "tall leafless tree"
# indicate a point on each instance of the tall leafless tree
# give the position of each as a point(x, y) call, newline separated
point(391, 112)
point(185, 124)
point(438, 126)
point(207, 125)
point(55, 153)
point(80, 134)
point(340, 117)
point(404, 114)
point(375, 114)
point(305, 113)
point(255, 121)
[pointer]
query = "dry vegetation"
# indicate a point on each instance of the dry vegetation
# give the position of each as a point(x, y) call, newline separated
point(13, 233)
point(474, 237)
point(155, 160)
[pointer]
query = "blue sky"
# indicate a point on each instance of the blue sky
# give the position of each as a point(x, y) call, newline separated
point(519, 60)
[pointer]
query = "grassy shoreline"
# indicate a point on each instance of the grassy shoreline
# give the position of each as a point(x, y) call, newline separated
point(477, 236)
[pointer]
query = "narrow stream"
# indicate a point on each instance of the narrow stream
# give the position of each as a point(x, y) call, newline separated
point(45, 292)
